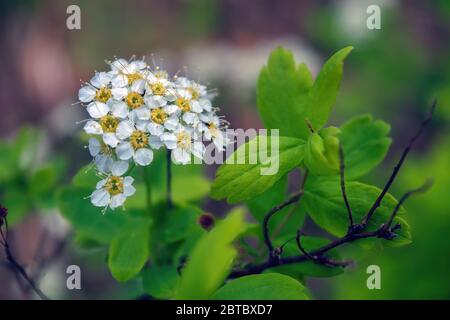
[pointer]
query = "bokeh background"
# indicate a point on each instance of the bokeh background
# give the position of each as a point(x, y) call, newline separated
point(393, 73)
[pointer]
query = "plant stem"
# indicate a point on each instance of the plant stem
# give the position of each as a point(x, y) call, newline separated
point(148, 187)
point(169, 179)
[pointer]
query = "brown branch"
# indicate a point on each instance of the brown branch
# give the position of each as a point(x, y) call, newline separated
point(18, 269)
point(355, 232)
point(399, 164)
point(351, 227)
point(294, 198)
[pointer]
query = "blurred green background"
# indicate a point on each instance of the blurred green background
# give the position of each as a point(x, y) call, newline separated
point(393, 73)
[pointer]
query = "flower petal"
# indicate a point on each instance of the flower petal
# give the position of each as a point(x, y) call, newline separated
point(110, 139)
point(124, 129)
point(117, 200)
point(100, 198)
point(86, 94)
point(143, 156)
point(93, 127)
point(129, 190)
point(119, 109)
point(97, 109)
point(119, 168)
point(124, 151)
point(94, 147)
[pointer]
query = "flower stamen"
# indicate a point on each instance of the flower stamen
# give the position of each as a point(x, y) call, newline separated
point(183, 104)
point(134, 100)
point(103, 94)
point(109, 123)
point(139, 139)
point(158, 116)
point(114, 185)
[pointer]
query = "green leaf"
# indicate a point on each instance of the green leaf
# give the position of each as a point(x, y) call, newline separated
point(161, 281)
point(181, 223)
point(240, 182)
point(269, 286)
point(261, 204)
point(324, 203)
point(17, 202)
point(308, 268)
point(211, 259)
point(324, 92)
point(365, 144)
point(129, 250)
point(86, 177)
point(88, 219)
point(282, 94)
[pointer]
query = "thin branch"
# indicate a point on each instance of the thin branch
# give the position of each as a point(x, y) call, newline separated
point(292, 210)
point(299, 245)
point(399, 164)
point(16, 266)
point(423, 188)
point(344, 193)
point(294, 198)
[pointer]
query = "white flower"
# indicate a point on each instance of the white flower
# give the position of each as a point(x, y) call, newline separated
point(211, 129)
point(124, 73)
point(182, 144)
point(137, 144)
point(102, 154)
point(97, 89)
point(159, 90)
point(114, 189)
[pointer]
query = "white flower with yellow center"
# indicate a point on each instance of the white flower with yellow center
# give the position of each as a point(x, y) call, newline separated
point(182, 142)
point(106, 121)
point(213, 129)
point(113, 190)
point(125, 73)
point(102, 154)
point(159, 89)
point(98, 89)
point(136, 144)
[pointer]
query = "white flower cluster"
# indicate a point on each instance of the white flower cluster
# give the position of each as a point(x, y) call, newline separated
point(135, 109)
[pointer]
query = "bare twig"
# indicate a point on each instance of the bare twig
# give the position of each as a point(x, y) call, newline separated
point(294, 198)
point(423, 188)
point(356, 232)
point(344, 193)
point(16, 266)
point(399, 164)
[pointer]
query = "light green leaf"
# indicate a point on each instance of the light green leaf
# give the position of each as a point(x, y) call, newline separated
point(161, 281)
point(324, 92)
point(365, 144)
point(17, 203)
point(282, 94)
point(239, 182)
point(211, 259)
point(269, 286)
point(129, 250)
point(324, 203)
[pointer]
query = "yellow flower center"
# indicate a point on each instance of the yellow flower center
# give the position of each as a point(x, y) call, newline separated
point(103, 94)
point(183, 104)
point(139, 139)
point(158, 88)
point(109, 123)
point(184, 140)
point(134, 100)
point(114, 185)
point(158, 115)
point(105, 149)
point(194, 93)
point(133, 77)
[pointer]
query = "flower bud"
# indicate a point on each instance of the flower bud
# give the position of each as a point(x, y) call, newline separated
point(206, 221)
point(322, 152)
